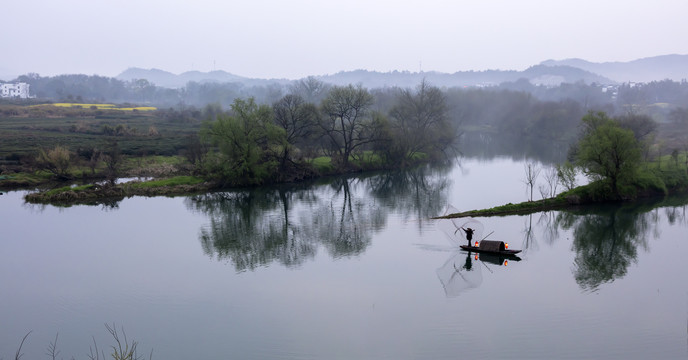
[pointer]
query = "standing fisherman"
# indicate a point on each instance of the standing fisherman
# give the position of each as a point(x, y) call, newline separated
point(469, 234)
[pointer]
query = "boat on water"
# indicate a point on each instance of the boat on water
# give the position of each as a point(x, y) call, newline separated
point(491, 247)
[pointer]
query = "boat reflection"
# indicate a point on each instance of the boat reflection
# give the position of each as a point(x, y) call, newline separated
point(495, 259)
point(463, 270)
point(459, 274)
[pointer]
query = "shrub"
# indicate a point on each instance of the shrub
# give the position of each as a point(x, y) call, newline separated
point(56, 161)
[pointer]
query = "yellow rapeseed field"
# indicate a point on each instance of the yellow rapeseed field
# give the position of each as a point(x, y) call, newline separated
point(103, 106)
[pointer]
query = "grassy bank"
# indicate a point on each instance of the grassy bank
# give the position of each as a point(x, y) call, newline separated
point(93, 193)
point(652, 181)
point(167, 175)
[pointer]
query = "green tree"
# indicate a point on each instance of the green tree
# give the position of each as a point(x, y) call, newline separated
point(566, 173)
point(246, 142)
point(347, 123)
point(608, 152)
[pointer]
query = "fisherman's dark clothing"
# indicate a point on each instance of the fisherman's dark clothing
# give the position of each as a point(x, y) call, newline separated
point(469, 235)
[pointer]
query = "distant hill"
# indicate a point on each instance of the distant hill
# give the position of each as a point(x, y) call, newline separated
point(673, 67)
point(538, 75)
point(169, 80)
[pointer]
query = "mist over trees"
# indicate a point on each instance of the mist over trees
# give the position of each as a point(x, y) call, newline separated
point(589, 93)
point(253, 144)
point(420, 124)
point(515, 117)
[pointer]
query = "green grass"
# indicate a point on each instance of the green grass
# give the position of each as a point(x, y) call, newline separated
point(21, 136)
point(69, 188)
point(368, 160)
point(22, 180)
point(173, 181)
point(151, 161)
point(323, 164)
point(419, 156)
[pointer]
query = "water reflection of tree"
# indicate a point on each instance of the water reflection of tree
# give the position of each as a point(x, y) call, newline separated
point(606, 242)
point(420, 193)
point(529, 241)
point(343, 223)
point(252, 227)
point(287, 224)
point(548, 222)
point(676, 210)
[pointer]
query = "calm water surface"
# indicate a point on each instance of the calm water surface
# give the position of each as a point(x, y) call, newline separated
point(346, 269)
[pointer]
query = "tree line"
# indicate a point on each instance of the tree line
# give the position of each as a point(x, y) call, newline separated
point(94, 88)
point(257, 143)
point(253, 141)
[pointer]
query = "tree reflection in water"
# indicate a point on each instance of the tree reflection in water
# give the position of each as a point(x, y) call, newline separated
point(252, 227)
point(344, 222)
point(606, 242)
point(287, 224)
point(420, 193)
point(676, 210)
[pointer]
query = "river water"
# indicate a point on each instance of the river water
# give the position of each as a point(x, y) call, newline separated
point(346, 268)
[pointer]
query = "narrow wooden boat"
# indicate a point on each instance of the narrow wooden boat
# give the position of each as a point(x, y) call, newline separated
point(491, 247)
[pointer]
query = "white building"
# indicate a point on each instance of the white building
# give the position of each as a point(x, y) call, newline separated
point(20, 90)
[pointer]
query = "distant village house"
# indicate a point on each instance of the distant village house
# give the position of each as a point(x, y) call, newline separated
point(16, 90)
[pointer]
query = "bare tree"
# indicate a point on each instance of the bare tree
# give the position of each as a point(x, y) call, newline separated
point(19, 354)
point(420, 123)
point(93, 160)
point(549, 190)
point(310, 89)
point(298, 119)
point(124, 349)
point(112, 157)
point(347, 123)
point(531, 172)
point(52, 351)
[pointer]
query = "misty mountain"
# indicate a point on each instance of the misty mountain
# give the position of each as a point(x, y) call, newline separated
point(169, 80)
point(537, 75)
point(673, 67)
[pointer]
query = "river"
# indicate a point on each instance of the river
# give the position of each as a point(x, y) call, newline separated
point(346, 268)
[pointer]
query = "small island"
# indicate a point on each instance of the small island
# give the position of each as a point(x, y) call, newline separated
point(252, 144)
point(609, 152)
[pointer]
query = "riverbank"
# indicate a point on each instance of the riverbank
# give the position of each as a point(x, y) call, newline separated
point(165, 177)
point(94, 193)
point(664, 182)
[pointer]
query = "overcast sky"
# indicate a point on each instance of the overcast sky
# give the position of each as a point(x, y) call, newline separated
point(294, 39)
